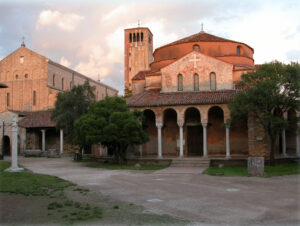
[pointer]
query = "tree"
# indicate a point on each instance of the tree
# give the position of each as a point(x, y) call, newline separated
point(111, 123)
point(266, 94)
point(70, 105)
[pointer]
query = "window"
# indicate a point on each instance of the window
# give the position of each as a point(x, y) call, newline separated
point(238, 50)
point(8, 99)
point(212, 81)
point(17, 76)
point(134, 37)
point(180, 86)
point(21, 59)
point(34, 98)
point(142, 36)
point(26, 75)
point(130, 37)
point(138, 37)
point(53, 80)
point(62, 83)
point(196, 47)
point(196, 82)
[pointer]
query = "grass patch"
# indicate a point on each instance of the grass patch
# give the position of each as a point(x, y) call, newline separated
point(123, 167)
point(270, 171)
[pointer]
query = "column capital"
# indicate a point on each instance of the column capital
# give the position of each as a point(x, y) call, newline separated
point(180, 124)
point(204, 124)
point(159, 125)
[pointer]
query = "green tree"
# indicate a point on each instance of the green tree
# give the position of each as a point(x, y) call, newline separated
point(70, 105)
point(266, 94)
point(111, 123)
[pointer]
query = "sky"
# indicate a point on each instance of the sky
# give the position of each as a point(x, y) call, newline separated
point(88, 35)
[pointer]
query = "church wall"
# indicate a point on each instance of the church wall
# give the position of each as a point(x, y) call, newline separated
point(204, 66)
point(138, 86)
point(239, 138)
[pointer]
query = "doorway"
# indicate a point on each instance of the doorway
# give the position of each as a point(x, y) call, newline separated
point(195, 140)
point(6, 146)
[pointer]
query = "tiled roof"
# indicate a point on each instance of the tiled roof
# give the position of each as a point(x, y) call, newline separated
point(156, 98)
point(37, 119)
point(140, 75)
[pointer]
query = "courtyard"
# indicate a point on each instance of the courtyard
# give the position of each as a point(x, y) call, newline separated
point(186, 193)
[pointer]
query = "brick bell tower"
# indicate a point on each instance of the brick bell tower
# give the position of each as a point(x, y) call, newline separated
point(138, 52)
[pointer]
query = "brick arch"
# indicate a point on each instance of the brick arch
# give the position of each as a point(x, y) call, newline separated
point(191, 107)
point(170, 131)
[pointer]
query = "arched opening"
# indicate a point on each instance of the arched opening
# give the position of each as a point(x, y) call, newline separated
point(196, 47)
point(170, 133)
point(150, 148)
point(239, 138)
point(34, 98)
point(238, 50)
point(291, 132)
point(134, 38)
point(216, 132)
point(142, 36)
point(196, 82)
point(212, 79)
point(180, 82)
point(194, 132)
point(6, 146)
point(138, 37)
point(130, 37)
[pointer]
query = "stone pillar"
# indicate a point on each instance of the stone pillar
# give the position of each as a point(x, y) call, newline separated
point(283, 143)
point(227, 141)
point(43, 140)
point(180, 140)
point(204, 125)
point(159, 126)
point(61, 141)
point(14, 152)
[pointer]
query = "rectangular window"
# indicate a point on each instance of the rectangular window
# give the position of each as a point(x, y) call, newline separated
point(180, 85)
point(21, 59)
point(7, 99)
point(212, 81)
point(34, 98)
point(196, 82)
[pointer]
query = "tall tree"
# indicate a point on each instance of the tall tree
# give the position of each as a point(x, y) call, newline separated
point(70, 105)
point(266, 94)
point(111, 123)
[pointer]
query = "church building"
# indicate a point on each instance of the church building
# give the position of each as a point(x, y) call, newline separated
point(184, 89)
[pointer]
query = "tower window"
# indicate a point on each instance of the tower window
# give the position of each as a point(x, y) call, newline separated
point(17, 76)
point(26, 75)
point(180, 85)
point(196, 82)
point(196, 47)
point(34, 98)
point(142, 36)
point(130, 37)
point(212, 79)
point(138, 37)
point(53, 80)
point(62, 83)
point(238, 50)
point(21, 59)
point(7, 99)
point(134, 38)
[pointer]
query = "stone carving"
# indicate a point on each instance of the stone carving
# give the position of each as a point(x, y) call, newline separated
point(256, 166)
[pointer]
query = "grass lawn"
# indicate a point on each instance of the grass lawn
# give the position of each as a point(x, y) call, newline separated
point(270, 171)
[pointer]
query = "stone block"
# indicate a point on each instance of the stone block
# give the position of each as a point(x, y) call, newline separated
point(256, 166)
point(33, 152)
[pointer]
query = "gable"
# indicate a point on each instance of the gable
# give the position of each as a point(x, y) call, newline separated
point(197, 63)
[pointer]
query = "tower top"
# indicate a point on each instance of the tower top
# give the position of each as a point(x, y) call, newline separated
point(202, 28)
point(23, 42)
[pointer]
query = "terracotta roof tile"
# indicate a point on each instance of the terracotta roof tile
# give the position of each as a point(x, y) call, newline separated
point(37, 119)
point(156, 98)
point(140, 76)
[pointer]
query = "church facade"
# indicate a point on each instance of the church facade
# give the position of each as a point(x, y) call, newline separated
point(184, 89)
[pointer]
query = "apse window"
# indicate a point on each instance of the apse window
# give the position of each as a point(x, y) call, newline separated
point(212, 81)
point(130, 37)
point(238, 50)
point(196, 82)
point(21, 59)
point(7, 99)
point(196, 47)
point(34, 98)
point(26, 75)
point(180, 84)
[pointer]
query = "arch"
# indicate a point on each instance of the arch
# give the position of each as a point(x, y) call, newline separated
point(192, 116)
point(238, 50)
point(150, 148)
point(134, 37)
point(196, 82)
point(180, 82)
point(34, 98)
point(196, 47)
point(130, 37)
point(142, 36)
point(212, 79)
point(138, 37)
point(170, 133)
point(6, 146)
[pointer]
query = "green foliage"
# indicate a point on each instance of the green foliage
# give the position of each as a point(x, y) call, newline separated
point(111, 123)
point(266, 95)
point(70, 105)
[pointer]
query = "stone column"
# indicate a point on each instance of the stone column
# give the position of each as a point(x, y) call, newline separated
point(204, 125)
point(43, 140)
point(283, 143)
point(14, 152)
point(227, 141)
point(180, 124)
point(159, 126)
point(61, 141)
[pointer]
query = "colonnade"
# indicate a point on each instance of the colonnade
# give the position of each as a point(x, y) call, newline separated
point(61, 140)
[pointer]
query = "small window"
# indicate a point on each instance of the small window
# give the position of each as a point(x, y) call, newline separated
point(62, 83)
point(53, 80)
point(142, 36)
point(238, 50)
point(196, 82)
point(130, 37)
point(17, 76)
point(26, 75)
point(7, 99)
point(134, 38)
point(138, 37)
point(196, 47)
point(21, 59)
point(212, 81)
point(180, 85)
point(34, 98)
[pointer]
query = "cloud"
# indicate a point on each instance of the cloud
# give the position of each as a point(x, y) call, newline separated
point(65, 62)
point(66, 22)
